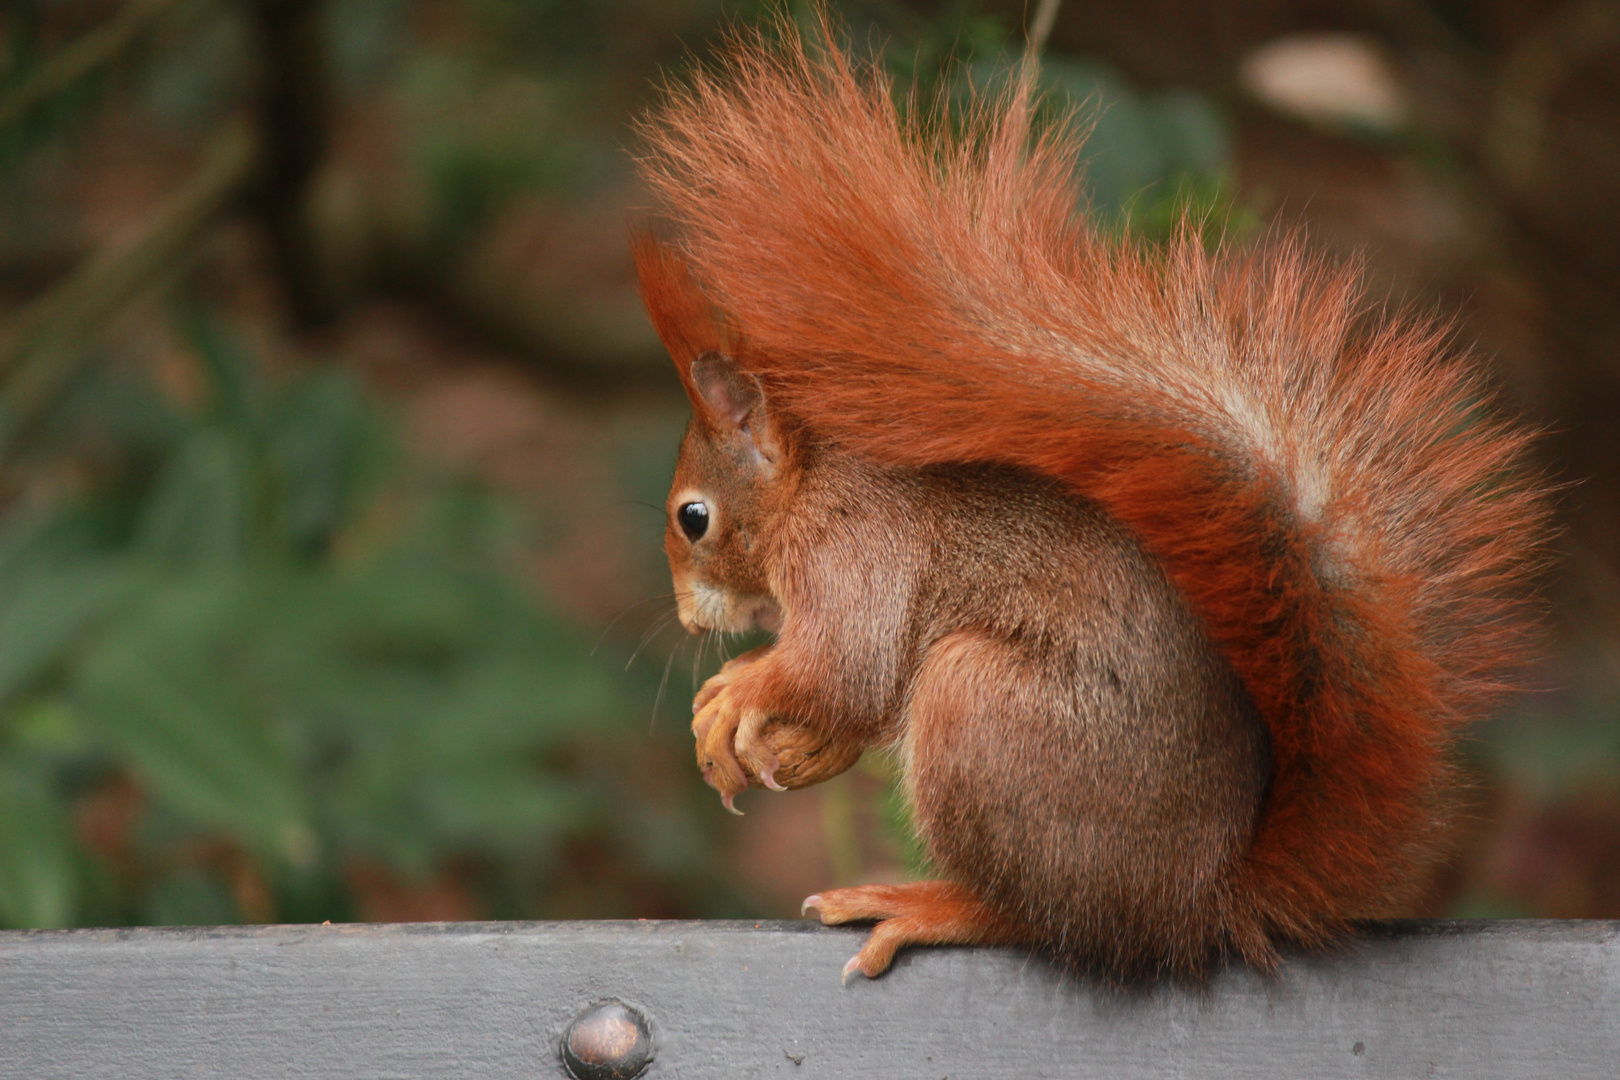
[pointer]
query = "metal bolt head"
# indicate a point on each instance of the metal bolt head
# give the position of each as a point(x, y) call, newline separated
point(607, 1041)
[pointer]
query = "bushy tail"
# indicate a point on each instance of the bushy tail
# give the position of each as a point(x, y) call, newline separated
point(1326, 488)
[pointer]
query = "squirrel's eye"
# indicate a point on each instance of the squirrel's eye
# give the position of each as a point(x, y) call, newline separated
point(694, 520)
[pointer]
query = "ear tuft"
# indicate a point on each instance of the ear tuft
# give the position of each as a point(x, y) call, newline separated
point(681, 314)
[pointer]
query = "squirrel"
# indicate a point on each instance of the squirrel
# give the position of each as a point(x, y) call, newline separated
point(1169, 573)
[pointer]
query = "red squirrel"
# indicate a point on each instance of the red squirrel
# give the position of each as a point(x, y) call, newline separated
point(1168, 574)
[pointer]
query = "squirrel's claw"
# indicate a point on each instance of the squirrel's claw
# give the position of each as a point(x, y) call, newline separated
point(767, 776)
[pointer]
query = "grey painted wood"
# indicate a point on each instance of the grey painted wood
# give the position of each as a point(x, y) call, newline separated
point(487, 1000)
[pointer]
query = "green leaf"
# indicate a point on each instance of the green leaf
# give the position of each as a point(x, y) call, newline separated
point(1191, 132)
point(50, 727)
point(46, 615)
point(327, 447)
point(1122, 154)
point(200, 516)
point(161, 690)
point(507, 806)
point(38, 861)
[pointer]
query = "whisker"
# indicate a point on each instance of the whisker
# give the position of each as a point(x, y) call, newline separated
point(697, 657)
point(657, 628)
point(668, 597)
point(663, 682)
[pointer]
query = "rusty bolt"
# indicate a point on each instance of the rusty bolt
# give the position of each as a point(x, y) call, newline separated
point(609, 1040)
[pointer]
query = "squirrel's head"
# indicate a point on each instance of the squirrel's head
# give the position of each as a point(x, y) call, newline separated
point(731, 484)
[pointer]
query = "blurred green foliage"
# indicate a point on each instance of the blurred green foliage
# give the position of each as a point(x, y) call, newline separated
point(481, 140)
point(500, 122)
point(289, 654)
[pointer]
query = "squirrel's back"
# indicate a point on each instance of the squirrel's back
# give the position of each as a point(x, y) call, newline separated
point(1327, 490)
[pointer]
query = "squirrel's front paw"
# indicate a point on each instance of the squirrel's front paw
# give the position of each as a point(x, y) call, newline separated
point(720, 715)
point(740, 745)
point(788, 756)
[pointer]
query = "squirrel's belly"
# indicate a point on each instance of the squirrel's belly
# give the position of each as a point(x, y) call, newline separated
point(1096, 771)
point(1112, 833)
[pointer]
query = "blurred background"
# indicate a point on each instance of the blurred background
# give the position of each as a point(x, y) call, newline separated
point(333, 440)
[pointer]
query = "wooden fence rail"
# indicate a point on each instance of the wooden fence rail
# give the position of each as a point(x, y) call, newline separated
point(494, 1000)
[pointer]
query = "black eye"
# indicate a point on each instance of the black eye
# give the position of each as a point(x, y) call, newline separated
point(694, 520)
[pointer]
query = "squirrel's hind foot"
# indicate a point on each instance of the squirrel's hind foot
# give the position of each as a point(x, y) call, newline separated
point(917, 913)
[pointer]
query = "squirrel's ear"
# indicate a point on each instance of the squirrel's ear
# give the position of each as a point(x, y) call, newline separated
point(734, 402)
point(728, 392)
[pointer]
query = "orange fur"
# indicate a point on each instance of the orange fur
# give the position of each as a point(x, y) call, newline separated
point(916, 913)
point(1328, 490)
